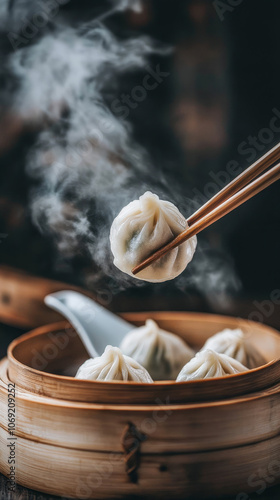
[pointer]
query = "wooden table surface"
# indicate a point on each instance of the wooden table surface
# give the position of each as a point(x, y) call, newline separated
point(272, 493)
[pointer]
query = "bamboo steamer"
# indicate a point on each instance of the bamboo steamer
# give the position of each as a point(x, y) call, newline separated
point(39, 360)
point(85, 439)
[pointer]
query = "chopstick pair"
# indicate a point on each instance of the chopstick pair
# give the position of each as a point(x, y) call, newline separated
point(242, 188)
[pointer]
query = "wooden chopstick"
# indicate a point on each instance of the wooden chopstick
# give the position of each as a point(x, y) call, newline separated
point(217, 213)
point(238, 183)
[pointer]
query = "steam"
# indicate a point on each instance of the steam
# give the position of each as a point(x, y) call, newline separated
point(85, 163)
point(212, 273)
point(14, 14)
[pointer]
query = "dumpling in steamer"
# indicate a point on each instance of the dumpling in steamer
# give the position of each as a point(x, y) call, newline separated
point(209, 364)
point(162, 353)
point(113, 365)
point(141, 228)
point(236, 344)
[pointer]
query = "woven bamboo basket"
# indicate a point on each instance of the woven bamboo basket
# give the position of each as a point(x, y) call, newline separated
point(86, 439)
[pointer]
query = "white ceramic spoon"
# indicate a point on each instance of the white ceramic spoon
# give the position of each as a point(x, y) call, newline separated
point(96, 326)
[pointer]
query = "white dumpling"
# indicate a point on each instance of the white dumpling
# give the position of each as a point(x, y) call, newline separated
point(162, 353)
point(237, 345)
point(141, 228)
point(113, 365)
point(209, 364)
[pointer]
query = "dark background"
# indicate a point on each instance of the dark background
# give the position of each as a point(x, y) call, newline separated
point(222, 88)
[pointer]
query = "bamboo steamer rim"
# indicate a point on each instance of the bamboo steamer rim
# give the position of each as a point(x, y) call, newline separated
point(60, 326)
point(47, 401)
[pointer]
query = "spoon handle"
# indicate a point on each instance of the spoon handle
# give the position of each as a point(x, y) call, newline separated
point(96, 326)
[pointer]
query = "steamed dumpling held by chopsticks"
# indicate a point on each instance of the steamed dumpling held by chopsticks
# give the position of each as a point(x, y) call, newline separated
point(141, 228)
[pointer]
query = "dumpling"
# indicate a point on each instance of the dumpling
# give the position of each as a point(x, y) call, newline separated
point(208, 364)
point(141, 228)
point(113, 365)
point(236, 344)
point(162, 353)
